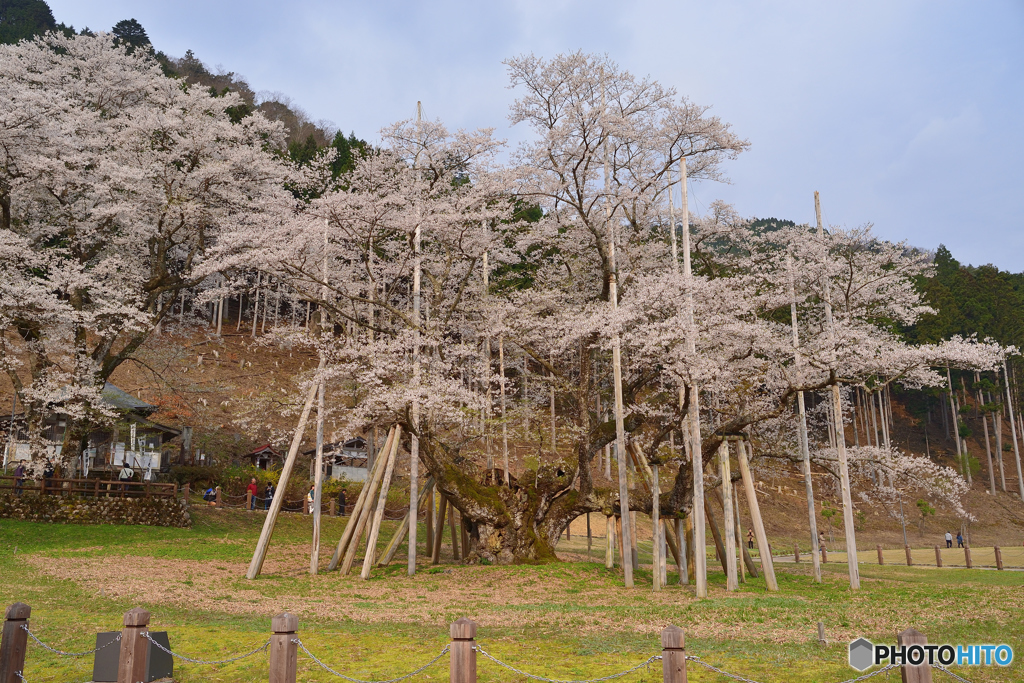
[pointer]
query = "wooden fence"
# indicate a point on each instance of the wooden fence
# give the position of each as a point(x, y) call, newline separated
point(89, 488)
point(283, 647)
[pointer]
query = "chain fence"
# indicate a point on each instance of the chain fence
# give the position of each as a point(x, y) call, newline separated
point(68, 654)
point(191, 660)
point(442, 653)
point(610, 677)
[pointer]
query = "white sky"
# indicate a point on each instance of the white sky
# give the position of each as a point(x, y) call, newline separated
point(903, 114)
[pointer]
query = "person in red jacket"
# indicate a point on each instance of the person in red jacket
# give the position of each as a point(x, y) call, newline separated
point(254, 493)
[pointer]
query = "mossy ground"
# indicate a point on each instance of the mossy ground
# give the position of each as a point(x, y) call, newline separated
point(562, 620)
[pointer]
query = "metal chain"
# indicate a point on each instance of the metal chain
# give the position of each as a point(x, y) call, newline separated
point(883, 670)
point(328, 669)
point(23, 679)
point(555, 680)
point(698, 660)
point(261, 648)
point(68, 654)
point(949, 673)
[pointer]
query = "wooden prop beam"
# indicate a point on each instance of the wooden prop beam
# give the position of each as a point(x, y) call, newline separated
point(435, 553)
point(748, 560)
point(369, 556)
point(260, 554)
point(755, 517)
point(364, 514)
point(403, 528)
point(731, 583)
point(346, 535)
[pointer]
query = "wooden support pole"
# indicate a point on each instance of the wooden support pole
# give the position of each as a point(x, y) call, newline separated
point(682, 552)
point(715, 533)
point(910, 558)
point(435, 554)
point(618, 538)
point(430, 520)
point(967, 557)
point(463, 651)
point(655, 530)
point(755, 517)
point(881, 560)
point(318, 477)
point(260, 554)
point(609, 542)
point(691, 549)
point(364, 514)
point(284, 654)
point(369, 556)
point(938, 557)
point(14, 643)
point(796, 554)
point(999, 557)
point(364, 495)
point(453, 527)
point(673, 655)
point(921, 673)
point(731, 583)
point(403, 528)
point(131, 666)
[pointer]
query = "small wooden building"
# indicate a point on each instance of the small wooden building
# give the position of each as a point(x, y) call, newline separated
point(342, 459)
point(265, 457)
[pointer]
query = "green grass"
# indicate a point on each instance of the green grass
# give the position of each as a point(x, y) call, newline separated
point(563, 620)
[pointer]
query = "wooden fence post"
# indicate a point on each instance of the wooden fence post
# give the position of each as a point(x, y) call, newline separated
point(821, 634)
point(796, 554)
point(131, 666)
point(824, 555)
point(910, 558)
point(463, 652)
point(216, 501)
point(248, 500)
point(938, 557)
point(284, 654)
point(14, 643)
point(967, 556)
point(333, 508)
point(879, 549)
point(999, 558)
point(921, 673)
point(673, 655)
point(188, 490)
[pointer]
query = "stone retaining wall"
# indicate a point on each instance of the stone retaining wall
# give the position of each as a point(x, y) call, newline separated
point(57, 509)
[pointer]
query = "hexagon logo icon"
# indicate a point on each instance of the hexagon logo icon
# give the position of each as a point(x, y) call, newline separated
point(861, 654)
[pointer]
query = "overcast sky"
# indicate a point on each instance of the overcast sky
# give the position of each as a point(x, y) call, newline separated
point(907, 115)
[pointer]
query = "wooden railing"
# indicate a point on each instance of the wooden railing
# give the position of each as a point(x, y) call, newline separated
point(90, 488)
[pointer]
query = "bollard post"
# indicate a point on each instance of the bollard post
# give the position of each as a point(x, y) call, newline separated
point(284, 654)
point(131, 666)
point(879, 549)
point(967, 556)
point(188, 489)
point(999, 558)
point(821, 634)
point(796, 554)
point(824, 555)
point(673, 655)
point(248, 500)
point(216, 501)
point(938, 557)
point(333, 507)
point(305, 506)
point(921, 673)
point(463, 651)
point(14, 643)
point(910, 558)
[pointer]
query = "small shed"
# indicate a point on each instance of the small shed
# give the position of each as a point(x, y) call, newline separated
point(343, 459)
point(264, 457)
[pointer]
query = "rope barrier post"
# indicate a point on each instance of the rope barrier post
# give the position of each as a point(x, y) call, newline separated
point(14, 643)
point(999, 557)
point(921, 673)
point(796, 554)
point(284, 651)
point(463, 651)
point(188, 490)
point(881, 561)
point(216, 501)
point(938, 557)
point(910, 558)
point(248, 500)
point(673, 655)
point(333, 508)
point(131, 665)
point(967, 557)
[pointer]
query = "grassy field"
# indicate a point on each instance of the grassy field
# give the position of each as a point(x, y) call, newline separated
point(562, 620)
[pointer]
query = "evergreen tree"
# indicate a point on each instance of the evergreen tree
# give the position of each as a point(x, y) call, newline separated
point(21, 19)
point(130, 32)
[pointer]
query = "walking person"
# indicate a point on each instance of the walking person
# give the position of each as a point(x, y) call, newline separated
point(750, 539)
point(341, 501)
point(268, 496)
point(254, 491)
point(959, 539)
point(19, 477)
point(949, 540)
point(309, 499)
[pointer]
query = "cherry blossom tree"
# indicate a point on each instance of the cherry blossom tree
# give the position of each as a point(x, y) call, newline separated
point(115, 181)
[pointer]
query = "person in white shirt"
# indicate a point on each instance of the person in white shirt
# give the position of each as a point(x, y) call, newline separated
point(949, 540)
